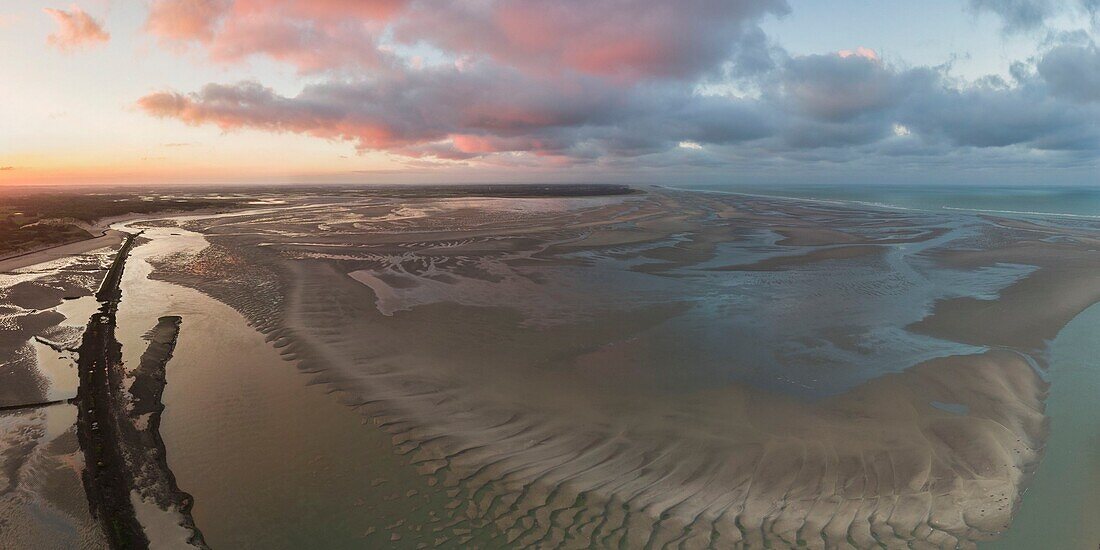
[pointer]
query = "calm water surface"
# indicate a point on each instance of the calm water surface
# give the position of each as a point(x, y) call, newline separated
point(271, 461)
point(1069, 201)
point(1061, 509)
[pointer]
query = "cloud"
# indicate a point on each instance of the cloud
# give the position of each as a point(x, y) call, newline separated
point(185, 20)
point(986, 116)
point(1027, 15)
point(460, 114)
point(6, 168)
point(866, 53)
point(628, 39)
point(839, 102)
point(814, 102)
point(1017, 15)
point(314, 36)
point(76, 29)
point(605, 77)
point(844, 86)
point(1073, 71)
point(611, 83)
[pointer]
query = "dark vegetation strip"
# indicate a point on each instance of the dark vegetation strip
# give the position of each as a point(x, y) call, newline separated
point(34, 221)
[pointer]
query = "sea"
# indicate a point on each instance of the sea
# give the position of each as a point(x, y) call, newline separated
point(1061, 201)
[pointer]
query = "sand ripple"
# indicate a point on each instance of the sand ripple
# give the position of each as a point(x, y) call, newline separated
point(545, 457)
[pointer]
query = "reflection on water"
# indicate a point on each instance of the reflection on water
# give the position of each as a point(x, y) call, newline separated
point(59, 370)
point(56, 357)
point(271, 462)
point(42, 501)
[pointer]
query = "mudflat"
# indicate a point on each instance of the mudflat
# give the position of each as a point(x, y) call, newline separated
point(502, 367)
point(669, 367)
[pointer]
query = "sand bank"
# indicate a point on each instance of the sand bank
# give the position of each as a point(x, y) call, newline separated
point(539, 451)
point(109, 240)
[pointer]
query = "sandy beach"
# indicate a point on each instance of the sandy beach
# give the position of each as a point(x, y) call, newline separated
point(108, 240)
point(647, 370)
point(561, 440)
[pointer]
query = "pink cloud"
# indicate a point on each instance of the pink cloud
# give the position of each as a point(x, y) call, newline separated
point(556, 82)
point(250, 105)
point(185, 20)
point(313, 35)
point(479, 112)
point(478, 145)
point(866, 53)
point(76, 29)
point(623, 39)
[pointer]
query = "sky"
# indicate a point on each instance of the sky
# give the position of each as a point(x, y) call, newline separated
point(644, 91)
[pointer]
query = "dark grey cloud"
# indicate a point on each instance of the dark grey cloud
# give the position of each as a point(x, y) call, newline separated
point(832, 104)
point(832, 88)
point(860, 102)
point(983, 116)
point(533, 97)
point(1073, 72)
point(812, 134)
point(754, 54)
point(478, 111)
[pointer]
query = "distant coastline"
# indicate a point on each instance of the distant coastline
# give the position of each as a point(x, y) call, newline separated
point(1047, 201)
point(100, 235)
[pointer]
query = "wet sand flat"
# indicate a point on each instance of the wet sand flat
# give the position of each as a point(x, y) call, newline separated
point(666, 368)
point(656, 369)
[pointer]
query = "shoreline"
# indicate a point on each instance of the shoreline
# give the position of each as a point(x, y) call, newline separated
point(846, 484)
point(99, 229)
point(148, 471)
point(102, 237)
point(21, 259)
point(396, 411)
point(124, 454)
point(50, 253)
point(857, 204)
point(104, 480)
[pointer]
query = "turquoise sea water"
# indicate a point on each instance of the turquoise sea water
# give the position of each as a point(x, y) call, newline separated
point(1061, 509)
point(1063, 201)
